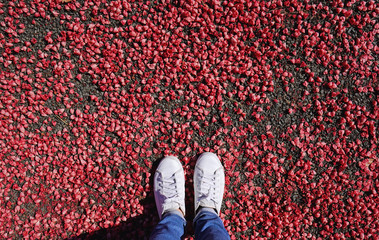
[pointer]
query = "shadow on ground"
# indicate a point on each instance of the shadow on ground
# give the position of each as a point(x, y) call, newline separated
point(141, 226)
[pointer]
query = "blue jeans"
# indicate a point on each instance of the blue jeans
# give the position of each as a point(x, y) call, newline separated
point(208, 225)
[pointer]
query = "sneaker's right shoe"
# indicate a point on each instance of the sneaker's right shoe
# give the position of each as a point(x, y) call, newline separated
point(209, 182)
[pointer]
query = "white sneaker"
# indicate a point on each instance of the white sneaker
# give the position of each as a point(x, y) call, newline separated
point(169, 186)
point(209, 182)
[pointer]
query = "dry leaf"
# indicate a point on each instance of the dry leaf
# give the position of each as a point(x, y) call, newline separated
point(371, 160)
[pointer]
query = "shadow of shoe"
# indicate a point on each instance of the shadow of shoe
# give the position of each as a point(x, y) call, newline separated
point(138, 227)
point(190, 208)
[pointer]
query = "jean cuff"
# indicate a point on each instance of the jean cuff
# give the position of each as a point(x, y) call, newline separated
point(204, 210)
point(174, 211)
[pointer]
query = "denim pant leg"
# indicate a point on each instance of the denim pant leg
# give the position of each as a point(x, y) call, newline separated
point(208, 225)
point(170, 227)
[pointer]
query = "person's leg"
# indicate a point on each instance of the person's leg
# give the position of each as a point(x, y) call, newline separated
point(208, 225)
point(209, 183)
point(171, 227)
point(169, 198)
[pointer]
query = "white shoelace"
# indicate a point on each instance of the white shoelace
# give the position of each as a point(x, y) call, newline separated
point(207, 187)
point(169, 189)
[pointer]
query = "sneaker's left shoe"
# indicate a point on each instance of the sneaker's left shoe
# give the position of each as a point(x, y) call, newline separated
point(169, 189)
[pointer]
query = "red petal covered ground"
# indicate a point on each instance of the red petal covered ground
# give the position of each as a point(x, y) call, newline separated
point(93, 93)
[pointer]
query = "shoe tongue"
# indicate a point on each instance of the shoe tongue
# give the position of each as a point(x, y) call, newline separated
point(209, 204)
point(171, 205)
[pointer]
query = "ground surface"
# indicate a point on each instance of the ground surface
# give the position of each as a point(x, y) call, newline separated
point(93, 93)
